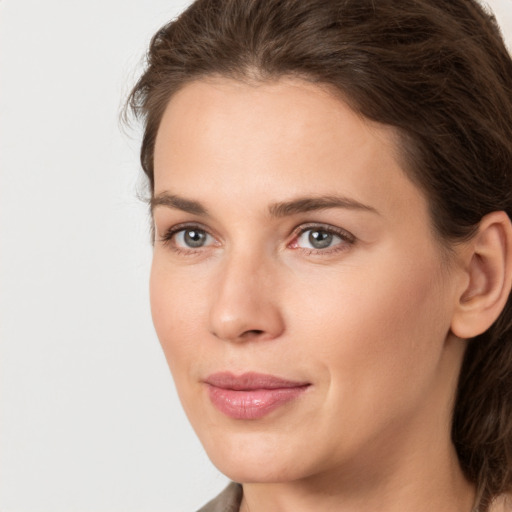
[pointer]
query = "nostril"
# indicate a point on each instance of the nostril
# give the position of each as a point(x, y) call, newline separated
point(252, 332)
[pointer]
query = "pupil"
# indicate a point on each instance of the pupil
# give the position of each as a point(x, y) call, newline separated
point(320, 239)
point(194, 238)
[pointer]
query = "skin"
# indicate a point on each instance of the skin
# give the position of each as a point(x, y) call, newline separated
point(365, 321)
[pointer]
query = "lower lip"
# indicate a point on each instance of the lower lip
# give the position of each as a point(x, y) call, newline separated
point(252, 404)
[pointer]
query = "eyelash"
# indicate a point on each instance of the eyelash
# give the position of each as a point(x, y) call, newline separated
point(347, 239)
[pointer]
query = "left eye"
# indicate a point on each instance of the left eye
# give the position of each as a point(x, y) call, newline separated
point(316, 238)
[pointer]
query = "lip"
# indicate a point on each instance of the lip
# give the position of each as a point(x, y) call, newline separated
point(251, 396)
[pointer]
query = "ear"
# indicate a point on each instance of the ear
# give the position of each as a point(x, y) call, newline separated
point(488, 277)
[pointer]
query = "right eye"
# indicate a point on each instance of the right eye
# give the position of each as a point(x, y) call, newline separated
point(189, 238)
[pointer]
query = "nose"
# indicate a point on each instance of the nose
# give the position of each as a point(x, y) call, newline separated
point(244, 304)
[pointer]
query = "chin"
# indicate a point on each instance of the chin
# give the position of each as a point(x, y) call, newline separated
point(246, 471)
point(251, 459)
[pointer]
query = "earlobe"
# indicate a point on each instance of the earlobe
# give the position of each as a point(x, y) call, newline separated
point(489, 273)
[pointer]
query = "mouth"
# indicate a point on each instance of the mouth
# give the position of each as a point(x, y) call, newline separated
point(251, 396)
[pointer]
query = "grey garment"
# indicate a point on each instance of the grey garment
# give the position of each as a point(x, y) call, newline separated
point(228, 500)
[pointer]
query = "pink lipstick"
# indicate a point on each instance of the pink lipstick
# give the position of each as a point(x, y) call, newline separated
point(251, 396)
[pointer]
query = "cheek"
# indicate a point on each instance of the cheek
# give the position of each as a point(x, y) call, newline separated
point(378, 330)
point(176, 310)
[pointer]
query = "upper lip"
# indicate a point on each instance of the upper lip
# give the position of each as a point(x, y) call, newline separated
point(250, 381)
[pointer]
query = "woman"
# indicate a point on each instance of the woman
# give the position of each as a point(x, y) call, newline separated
point(331, 190)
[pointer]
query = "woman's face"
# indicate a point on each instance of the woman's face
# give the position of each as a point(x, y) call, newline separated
point(297, 289)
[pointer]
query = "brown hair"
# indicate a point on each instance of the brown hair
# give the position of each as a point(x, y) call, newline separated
point(436, 70)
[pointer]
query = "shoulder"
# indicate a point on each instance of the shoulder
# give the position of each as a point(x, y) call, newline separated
point(227, 501)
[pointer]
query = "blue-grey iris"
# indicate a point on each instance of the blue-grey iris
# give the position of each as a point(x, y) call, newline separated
point(194, 238)
point(320, 239)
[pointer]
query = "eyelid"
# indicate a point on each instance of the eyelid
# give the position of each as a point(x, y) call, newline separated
point(328, 228)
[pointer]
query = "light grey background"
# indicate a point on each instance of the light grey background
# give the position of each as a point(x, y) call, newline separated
point(89, 419)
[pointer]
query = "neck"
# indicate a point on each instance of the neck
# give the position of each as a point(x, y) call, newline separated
point(419, 483)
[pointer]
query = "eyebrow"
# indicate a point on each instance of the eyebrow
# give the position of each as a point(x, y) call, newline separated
point(282, 209)
point(308, 204)
point(178, 203)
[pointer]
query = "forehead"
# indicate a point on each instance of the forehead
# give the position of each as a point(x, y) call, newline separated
point(287, 107)
point(287, 137)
